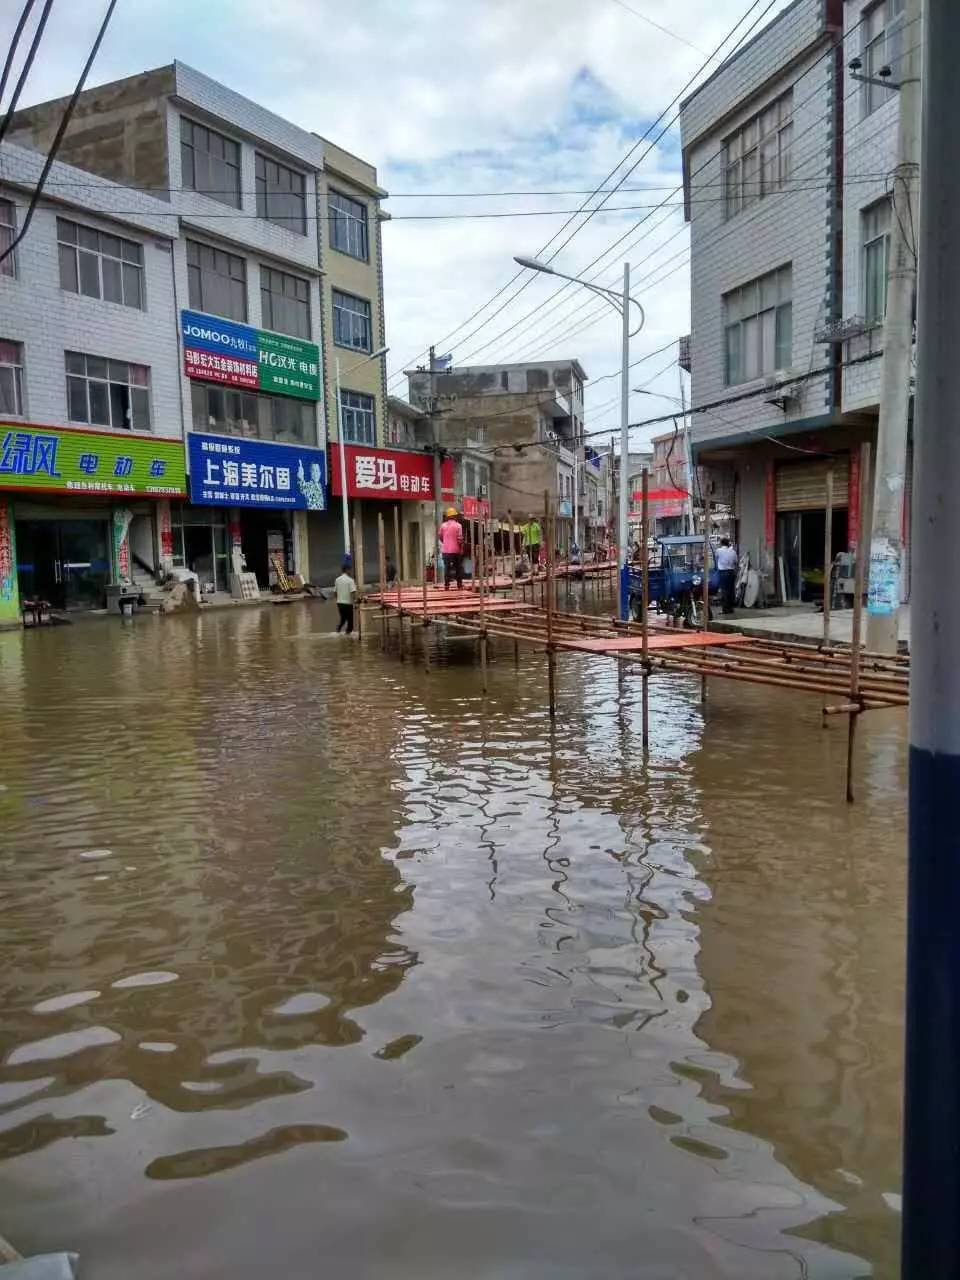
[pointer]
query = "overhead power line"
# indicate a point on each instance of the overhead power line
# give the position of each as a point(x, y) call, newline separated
point(62, 129)
point(27, 62)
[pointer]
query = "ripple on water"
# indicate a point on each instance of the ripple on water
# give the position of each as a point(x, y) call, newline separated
point(305, 1002)
point(93, 855)
point(62, 1046)
point(67, 1001)
point(151, 978)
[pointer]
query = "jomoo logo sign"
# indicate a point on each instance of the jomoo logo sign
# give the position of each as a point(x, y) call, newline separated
point(219, 336)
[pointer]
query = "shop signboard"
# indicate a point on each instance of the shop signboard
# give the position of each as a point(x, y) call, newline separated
point(229, 472)
point(238, 355)
point(62, 460)
point(390, 474)
point(475, 508)
point(565, 508)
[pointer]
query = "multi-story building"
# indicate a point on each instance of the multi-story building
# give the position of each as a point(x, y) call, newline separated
point(277, 264)
point(514, 432)
point(784, 156)
point(91, 414)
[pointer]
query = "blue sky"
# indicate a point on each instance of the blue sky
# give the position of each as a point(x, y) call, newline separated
point(457, 96)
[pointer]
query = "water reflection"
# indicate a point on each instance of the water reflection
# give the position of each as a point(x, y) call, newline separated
point(526, 1005)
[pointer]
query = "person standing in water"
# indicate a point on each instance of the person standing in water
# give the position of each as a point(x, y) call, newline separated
point(451, 544)
point(346, 590)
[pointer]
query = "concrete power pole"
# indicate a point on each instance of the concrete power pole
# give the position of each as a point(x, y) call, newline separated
point(886, 538)
point(931, 1158)
point(435, 441)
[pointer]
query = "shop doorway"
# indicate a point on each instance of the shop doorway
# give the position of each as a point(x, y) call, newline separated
point(200, 544)
point(66, 562)
point(800, 551)
point(265, 536)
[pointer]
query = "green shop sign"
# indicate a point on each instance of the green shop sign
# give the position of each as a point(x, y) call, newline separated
point(61, 460)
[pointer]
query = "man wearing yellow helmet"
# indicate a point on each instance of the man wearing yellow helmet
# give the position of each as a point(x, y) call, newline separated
point(451, 545)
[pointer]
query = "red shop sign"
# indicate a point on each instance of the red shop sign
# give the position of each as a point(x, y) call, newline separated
point(474, 508)
point(387, 473)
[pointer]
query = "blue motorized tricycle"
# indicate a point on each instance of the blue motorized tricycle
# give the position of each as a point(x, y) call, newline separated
point(675, 576)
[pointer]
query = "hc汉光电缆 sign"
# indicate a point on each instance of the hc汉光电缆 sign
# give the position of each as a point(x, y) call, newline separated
point(220, 351)
point(61, 460)
point(254, 473)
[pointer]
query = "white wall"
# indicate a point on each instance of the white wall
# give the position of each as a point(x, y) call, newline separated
point(793, 227)
point(48, 320)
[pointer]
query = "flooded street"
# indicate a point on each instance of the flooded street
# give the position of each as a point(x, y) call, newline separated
point(318, 963)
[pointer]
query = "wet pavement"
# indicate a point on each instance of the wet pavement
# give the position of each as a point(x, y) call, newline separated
point(315, 963)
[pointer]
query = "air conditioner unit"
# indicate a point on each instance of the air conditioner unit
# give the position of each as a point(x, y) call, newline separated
point(773, 380)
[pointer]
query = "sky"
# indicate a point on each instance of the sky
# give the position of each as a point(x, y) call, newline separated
point(447, 97)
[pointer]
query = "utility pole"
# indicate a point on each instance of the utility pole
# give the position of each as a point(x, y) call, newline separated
point(623, 532)
point(435, 440)
point(931, 1147)
point(687, 456)
point(886, 537)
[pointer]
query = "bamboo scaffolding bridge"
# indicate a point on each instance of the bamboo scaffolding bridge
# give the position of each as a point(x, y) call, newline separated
point(493, 607)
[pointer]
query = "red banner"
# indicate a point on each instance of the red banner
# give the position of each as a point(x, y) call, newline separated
point(474, 508)
point(661, 495)
point(387, 473)
point(770, 507)
point(853, 499)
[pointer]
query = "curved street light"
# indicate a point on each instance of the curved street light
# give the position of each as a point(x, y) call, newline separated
point(621, 303)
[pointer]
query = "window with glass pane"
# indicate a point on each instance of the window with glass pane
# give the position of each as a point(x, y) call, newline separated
point(107, 393)
point(876, 249)
point(8, 230)
point(757, 159)
point(281, 195)
point(99, 265)
point(758, 327)
point(209, 163)
point(11, 378)
point(359, 418)
point(285, 302)
point(348, 225)
point(253, 414)
point(351, 322)
point(217, 281)
point(882, 36)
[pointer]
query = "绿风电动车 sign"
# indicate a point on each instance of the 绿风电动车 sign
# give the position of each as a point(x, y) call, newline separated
point(62, 460)
point(238, 355)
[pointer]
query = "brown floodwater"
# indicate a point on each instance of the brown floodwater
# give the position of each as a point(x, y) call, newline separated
point(314, 962)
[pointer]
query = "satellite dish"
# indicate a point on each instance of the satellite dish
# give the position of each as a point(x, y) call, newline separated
point(751, 592)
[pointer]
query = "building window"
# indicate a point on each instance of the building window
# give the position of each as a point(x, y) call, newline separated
point(359, 418)
point(757, 158)
point(351, 322)
point(281, 195)
point(98, 265)
point(758, 327)
point(8, 231)
point(284, 302)
point(11, 378)
point(217, 281)
point(209, 163)
point(250, 413)
point(348, 225)
point(108, 393)
point(882, 29)
point(876, 249)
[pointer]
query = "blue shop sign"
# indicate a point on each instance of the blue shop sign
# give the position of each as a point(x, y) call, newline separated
point(200, 332)
point(225, 471)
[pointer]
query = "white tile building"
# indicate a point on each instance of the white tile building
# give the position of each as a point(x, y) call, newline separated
point(103, 327)
point(781, 158)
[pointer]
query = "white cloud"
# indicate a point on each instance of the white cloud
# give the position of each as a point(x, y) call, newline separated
point(456, 95)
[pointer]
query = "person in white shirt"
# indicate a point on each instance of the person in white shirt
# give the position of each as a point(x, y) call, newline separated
point(727, 565)
point(346, 590)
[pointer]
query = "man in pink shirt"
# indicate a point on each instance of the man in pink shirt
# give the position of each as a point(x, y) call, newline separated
point(451, 545)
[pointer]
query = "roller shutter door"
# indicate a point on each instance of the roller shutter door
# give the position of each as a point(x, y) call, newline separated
point(802, 486)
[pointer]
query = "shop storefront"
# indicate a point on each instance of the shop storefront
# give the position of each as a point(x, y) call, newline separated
point(378, 480)
point(77, 510)
point(257, 472)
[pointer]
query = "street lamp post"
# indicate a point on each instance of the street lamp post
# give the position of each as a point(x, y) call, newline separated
point(620, 303)
point(344, 503)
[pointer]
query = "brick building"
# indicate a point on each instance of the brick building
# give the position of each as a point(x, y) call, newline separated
point(777, 146)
